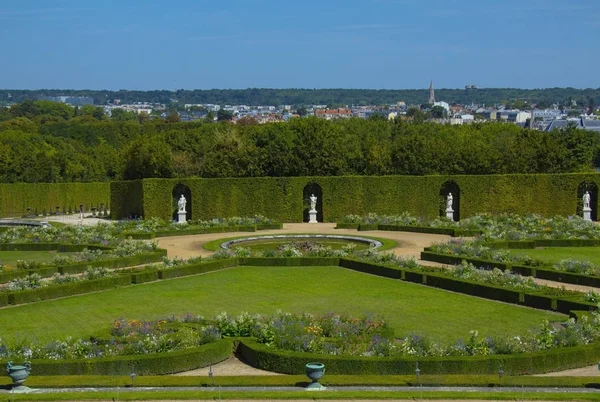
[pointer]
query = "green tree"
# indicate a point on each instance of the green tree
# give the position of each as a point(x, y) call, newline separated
point(439, 112)
point(147, 157)
point(224, 115)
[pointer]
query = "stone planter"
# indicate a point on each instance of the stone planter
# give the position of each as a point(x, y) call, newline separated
point(315, 371)
point(18, 374)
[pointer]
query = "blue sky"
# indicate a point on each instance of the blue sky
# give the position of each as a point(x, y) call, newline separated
point(387, 44)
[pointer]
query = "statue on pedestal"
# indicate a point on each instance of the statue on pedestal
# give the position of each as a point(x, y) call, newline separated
point(449, 201)
point(586, 200)
point(313, 202)
point(181, 203)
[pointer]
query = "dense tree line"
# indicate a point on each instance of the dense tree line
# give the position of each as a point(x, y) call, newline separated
point(260, 96)
point(51, 142)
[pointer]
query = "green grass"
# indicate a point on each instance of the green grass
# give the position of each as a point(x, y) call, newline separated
point(552, 255)
point(11, 257)
point(214, 245)
point(409, 308)
point(98, 381)
point(224, 394)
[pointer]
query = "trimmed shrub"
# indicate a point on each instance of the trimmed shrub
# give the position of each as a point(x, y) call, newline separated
point(68, 289)
point(269, 226)
point(289, 262)
point(195, 269)
point(120, 262)
point(184, 232)
point(153, 364)
point(144, 276)
point(347, 225)
point(266, 358)
point(454, 260)
point(15, 198)
point(369, 268)
point(367, 226)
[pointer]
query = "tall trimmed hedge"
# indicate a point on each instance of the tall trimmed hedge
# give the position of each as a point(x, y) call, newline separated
point(281, 198)
point(126, 198)
point(15, 198)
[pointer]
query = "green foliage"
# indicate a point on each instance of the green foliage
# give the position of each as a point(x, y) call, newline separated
point(16, 198)
point(266, 358)
point(68, 289)
point(281, 198)
point(153, 364)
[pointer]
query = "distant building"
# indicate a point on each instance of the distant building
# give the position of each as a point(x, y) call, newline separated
point(583, 124)
point(443, 104)
point(431, 93)
point(330, 114)
point(547, 115)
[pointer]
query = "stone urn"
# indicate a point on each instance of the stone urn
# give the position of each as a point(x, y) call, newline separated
point(18, 374)
point(315, 371)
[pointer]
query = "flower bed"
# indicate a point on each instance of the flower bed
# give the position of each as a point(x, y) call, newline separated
point(155, 227)
point(491, 227)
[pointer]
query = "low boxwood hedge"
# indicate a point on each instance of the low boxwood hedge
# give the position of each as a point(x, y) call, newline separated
point(67, 289)
point(152, 364)
point(269, 226)
point(119, 262)
point(347, 225)
point(21, 273)
point(144, 276)
point(287, 362)
point(457, 259)
point(547, 273)
point(187, 232)
point(289, 262)
point(194, 269)
point(374, 269)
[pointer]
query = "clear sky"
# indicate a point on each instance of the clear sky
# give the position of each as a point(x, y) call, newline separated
point(388, 44)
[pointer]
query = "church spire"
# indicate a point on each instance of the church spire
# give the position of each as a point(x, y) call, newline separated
point(431, 93)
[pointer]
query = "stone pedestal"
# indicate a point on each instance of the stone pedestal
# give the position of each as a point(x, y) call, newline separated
point(587, 213)
point(312, 216)
point(181, 217)
point(450, 214)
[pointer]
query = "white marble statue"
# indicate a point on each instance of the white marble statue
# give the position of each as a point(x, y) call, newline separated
point(586, 200)
point(181, 203)
point(313, 202)
point(449, 201)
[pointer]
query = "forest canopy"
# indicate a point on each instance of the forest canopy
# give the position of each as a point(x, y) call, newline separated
point(49, 142)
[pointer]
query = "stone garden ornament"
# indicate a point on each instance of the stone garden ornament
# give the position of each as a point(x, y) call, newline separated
point(181, 213)
point(587, 210)
point(449, 210)
point(313, 209)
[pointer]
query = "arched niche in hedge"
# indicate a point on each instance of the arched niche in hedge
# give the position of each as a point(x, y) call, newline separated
point(178, 190)
point(312, 188)
point(450, 187)
point(592, 187)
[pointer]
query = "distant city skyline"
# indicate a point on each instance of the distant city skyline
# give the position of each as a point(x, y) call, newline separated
point(379, 44)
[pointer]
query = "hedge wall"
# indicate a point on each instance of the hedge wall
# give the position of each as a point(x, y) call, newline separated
point(15, 198)
point(281, 198)
point(265, 358)
point(126, 198)
point(153, 364)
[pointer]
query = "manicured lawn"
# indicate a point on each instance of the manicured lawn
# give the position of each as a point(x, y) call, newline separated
point(555, 254)
point(408, 307)
point(11, 257)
